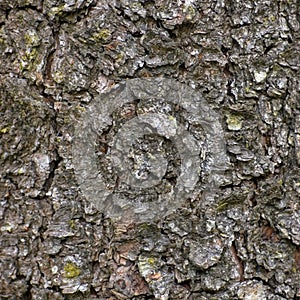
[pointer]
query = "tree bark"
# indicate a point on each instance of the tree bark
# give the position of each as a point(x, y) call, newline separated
point(223, 106)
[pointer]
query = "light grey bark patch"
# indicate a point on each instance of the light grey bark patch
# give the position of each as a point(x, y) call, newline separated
point(147, 171)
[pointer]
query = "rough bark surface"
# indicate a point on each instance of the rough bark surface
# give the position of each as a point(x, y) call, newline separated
point(57, 57)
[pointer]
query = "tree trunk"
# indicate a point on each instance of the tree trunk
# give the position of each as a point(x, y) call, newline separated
point(149, 149)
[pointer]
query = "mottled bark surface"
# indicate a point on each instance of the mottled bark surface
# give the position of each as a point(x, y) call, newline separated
point(57, 57)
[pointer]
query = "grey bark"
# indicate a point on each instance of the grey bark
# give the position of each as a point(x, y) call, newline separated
point(57, 57)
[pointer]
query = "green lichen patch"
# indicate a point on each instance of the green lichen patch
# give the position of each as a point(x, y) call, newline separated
point(31, 39)
point(101, 36)
point(4, 129)
point(71, 270)
point(234, 122)
point(227, 203)
point(72, 224)
point(57, 11)
point(58, 77)
point(28, 59)
point(189, 12)
point(151, 260)
point(2, 36)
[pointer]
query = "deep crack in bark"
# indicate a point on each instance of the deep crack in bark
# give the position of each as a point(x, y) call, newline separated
point(238, 261)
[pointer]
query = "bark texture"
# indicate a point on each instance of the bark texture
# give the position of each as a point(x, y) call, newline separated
point(57, 57)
